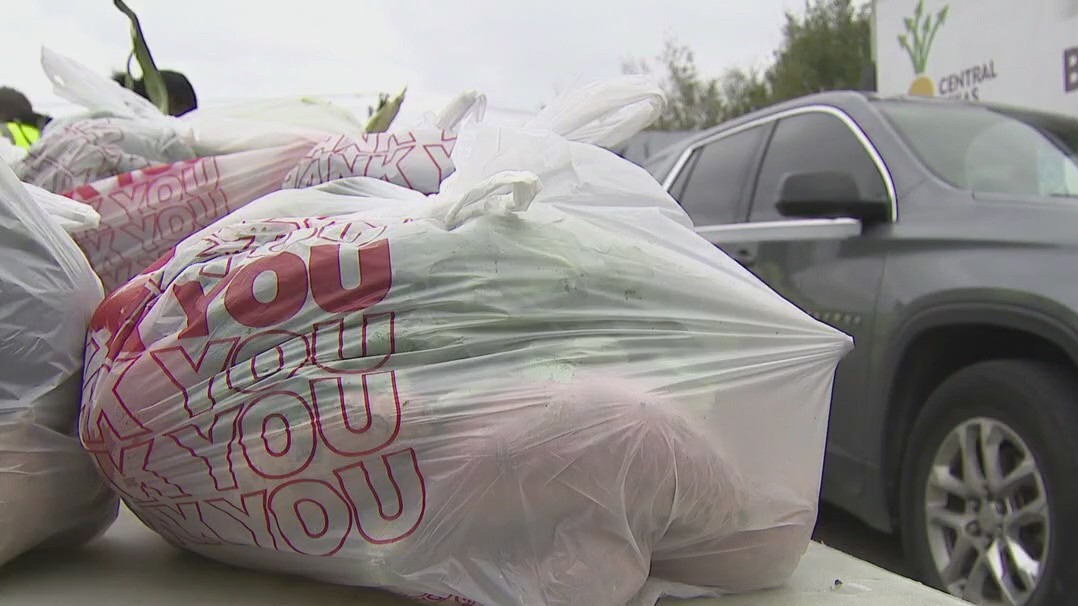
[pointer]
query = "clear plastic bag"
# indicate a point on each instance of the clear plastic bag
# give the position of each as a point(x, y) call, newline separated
point(212, 131)
point(86, 88)
point(120, 132)
point(94, 148)
point(538, 386)
point(268, 123)
point(603, 113)
point(144, 213)
point(49, 491)
point(417, 158)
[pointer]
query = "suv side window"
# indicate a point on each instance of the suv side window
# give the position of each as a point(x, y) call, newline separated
point(713, 192)
point(807, 143)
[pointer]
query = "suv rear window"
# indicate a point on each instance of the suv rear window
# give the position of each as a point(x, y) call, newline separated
point(992, 150)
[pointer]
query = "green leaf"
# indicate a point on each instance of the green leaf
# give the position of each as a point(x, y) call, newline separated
point(155, 84)
point(129, 79)
point(383, 118)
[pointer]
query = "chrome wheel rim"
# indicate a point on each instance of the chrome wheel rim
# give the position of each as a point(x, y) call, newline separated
point(986, 514)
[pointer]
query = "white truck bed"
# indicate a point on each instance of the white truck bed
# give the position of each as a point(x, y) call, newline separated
point(131, 565)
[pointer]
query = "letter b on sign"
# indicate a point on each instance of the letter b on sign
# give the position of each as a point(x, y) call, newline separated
point(1070, 70)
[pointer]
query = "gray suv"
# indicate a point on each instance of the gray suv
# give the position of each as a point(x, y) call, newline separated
point(943, 236)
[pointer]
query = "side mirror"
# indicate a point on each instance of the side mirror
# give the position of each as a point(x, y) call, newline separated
point(828, 195)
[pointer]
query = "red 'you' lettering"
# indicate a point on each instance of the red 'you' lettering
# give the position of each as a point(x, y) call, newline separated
point(174, 222)
point(389, 500)
point(366, 337)
point(277, 434)
point(244, 524)
point(193, 301)
point(311, 516)
point(122, 463)
point(177, 370)
point(353, 427)
point(143, 231)
point(375, 277)
point(271, 353)
point(183, 522)
point(119, 315)
point(242, 301)
point(212, 440)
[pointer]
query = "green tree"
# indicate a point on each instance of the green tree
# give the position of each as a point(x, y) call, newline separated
point(827, 47)
point(693, 101)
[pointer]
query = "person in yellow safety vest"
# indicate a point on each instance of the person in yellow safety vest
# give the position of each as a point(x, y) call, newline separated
point(22, 135)
point(19, 123)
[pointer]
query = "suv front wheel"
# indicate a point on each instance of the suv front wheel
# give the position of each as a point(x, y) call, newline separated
point(989, 491)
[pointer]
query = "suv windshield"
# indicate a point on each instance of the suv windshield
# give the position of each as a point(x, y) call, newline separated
point(993, 150)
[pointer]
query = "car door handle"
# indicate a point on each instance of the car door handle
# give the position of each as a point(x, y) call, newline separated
point(745, 257)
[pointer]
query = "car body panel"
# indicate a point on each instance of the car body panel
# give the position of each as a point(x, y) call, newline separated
point(949, 258)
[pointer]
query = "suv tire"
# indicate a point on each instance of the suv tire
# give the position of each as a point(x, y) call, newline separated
point(996, 419)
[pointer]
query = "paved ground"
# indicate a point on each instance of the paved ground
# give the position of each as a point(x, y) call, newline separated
point(845, 533)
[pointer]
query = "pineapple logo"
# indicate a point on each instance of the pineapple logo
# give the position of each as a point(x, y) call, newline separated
point(921, 31)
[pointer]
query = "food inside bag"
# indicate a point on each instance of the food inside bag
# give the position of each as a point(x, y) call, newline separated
point(146, 212)
point(49, 490)
point(538, 386)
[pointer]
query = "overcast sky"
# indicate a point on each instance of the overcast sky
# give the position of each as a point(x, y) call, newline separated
point(518, 53)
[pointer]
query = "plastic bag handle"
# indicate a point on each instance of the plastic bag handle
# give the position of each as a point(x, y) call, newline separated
point(490, 197)
point(81, 85)
point(604, 113)
point(465, 104)
point(72, 216)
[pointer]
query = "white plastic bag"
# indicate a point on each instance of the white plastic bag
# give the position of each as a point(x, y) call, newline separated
point(338, 197)
point(71, 155)
point(70, 215)
point(417, 158)
point(603, 113)
point(121, 132)
point(10, 154)
point(82, 86)
point(211, 131)
point(49, 492)
point(146, 212)
point(538, 386)
point(263, 124)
